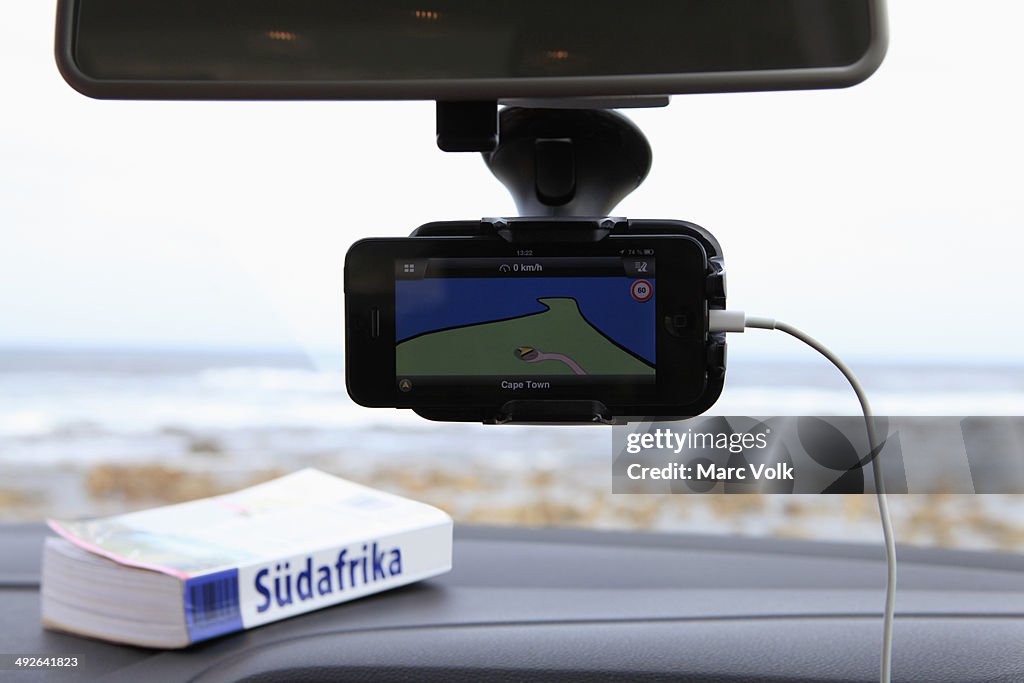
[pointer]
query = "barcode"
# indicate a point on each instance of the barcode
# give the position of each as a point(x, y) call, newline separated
point(211, 604)
point(214, 600)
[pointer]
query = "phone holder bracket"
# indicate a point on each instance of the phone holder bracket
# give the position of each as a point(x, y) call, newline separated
point(539, 229)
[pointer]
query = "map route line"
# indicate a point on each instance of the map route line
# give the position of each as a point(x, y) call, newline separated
point(532, 355)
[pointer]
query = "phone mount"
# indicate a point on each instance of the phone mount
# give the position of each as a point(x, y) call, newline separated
point(567, 169)
point(541, 229)
point(554, 162)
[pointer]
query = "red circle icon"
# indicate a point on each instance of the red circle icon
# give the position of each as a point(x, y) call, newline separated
point(641, 290)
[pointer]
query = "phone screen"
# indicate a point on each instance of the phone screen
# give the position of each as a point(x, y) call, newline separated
point(474, 327)
point(525, 323)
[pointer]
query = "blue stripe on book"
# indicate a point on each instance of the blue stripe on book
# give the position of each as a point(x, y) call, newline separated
point(211, 605)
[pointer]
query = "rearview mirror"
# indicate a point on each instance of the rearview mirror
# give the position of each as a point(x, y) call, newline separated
point(462, 49)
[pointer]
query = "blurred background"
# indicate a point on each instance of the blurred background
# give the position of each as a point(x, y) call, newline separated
point(171, 284)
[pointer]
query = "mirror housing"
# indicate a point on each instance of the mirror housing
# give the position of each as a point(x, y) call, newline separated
point(462, 49)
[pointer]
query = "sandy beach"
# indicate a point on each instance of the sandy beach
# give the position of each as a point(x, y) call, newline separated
point(543, 496)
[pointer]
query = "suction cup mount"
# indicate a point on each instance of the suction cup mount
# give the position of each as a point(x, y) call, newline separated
point(554, 161)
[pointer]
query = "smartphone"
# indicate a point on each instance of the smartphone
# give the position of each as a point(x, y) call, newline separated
point(480, 328)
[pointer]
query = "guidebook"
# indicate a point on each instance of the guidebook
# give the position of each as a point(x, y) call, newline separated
point(174, 575)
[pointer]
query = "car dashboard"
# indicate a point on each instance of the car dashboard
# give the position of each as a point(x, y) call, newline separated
point(579, 605)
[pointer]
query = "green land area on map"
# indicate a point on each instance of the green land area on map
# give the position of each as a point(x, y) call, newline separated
point(502, 347)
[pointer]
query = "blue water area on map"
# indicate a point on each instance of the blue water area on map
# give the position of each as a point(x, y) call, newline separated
point(606, 302)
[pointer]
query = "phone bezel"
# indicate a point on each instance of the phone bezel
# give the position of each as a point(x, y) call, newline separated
point(680, 280)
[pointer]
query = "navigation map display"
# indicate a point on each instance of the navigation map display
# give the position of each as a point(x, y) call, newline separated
point(524, 323)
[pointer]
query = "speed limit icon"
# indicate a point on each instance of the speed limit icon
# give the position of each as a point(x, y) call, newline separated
point(641, 290)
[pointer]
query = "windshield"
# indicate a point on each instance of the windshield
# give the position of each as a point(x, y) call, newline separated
point(171, 304)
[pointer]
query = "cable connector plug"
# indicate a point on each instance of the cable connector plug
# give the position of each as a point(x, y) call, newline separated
point(737, 321)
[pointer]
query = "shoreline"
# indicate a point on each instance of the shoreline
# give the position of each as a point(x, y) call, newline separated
point(539, 497)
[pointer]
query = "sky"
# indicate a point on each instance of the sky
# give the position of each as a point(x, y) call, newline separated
point(887, 219)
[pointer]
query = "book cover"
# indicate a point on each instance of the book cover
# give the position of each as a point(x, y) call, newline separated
point(295, 544)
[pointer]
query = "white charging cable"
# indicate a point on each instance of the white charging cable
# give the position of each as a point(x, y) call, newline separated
point(738, 321)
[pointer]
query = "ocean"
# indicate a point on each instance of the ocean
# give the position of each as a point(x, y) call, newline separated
point(96, 406)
